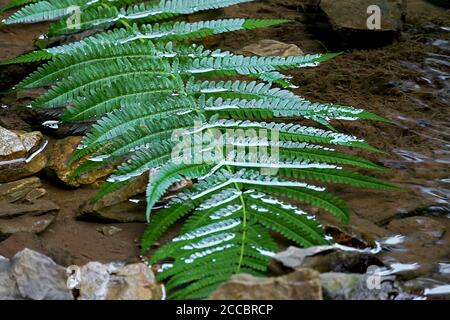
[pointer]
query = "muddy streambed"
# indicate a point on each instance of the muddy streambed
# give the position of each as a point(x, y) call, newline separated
point(406, 81)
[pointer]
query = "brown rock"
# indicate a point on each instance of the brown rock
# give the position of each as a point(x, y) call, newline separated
point(269, 47)
point(32, 224)
point(14, 191)
point(39, 207)
point(134, 282)
point(122, 212)
point(58, 156)
point(302, 284)
point(19, 241)
point(12, 172)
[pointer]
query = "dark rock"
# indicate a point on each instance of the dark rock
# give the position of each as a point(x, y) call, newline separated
point(302, 284)
point(342, 261)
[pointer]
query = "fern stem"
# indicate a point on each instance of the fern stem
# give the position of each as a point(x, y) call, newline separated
point(244, 211)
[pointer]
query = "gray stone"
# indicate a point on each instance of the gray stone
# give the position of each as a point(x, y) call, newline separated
point(348, 286)
point(38, 277)
point(4, 264)
point(302, 284)
point(8, 287)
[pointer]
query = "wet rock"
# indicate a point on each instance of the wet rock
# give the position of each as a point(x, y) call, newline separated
point(352, 14)
point(269, 47)
point(122, 212)
point(31, 224)
point(38, 277)
point(14, 191)
point(327, 259)
point(117, 282)
point(358, 233)
point(109, 231)
point(39, 207)
point(302, 284)
point(424, 241)
point(348, 286)
point(342, 261)
point(59, 153)
point(134, 187)
point(18, 158)
point(389, 206)
point(420, 228)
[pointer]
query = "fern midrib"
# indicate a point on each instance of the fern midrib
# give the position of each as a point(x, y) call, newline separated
point(244, 211)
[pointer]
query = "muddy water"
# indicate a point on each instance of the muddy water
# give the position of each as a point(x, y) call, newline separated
point(431, 90)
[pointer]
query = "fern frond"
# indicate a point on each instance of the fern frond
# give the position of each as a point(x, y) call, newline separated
point(47, 10)
point(155, 104)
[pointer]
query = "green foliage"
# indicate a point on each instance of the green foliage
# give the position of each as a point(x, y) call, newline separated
point(140, 84)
